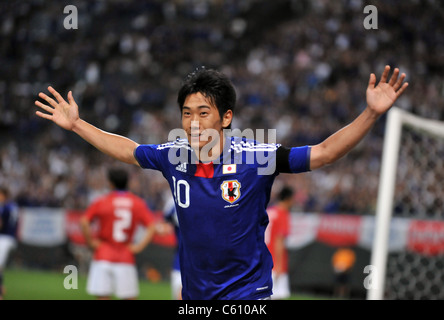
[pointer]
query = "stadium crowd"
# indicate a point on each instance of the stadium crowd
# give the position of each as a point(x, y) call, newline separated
point(300, 67)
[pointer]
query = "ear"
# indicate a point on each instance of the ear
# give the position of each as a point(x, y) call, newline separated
point(227, 118)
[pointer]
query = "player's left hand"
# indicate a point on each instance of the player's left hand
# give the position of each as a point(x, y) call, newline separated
point(64, 114)
point(381, 98)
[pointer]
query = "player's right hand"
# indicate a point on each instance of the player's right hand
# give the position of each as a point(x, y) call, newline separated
point(62, 113)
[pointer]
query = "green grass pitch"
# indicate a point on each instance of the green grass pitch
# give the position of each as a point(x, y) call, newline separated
point(23, 284)
point(44, 285)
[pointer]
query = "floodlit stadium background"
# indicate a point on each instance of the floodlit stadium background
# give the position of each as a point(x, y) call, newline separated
point(300, 67)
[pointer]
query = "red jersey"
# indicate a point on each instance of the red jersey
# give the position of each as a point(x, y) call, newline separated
point(279, 225)
point(118, 214)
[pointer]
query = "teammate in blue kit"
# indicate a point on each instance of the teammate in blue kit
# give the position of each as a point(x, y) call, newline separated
point(9, 212)
point(221, 184)
point(170, 216)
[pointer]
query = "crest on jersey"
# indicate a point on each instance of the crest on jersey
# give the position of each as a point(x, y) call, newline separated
point(230, 190)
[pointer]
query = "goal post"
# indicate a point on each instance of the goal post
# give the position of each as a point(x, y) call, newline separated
point(396, 120)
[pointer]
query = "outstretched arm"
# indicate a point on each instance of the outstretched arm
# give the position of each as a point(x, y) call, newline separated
point(66, 115)
point(380, 99)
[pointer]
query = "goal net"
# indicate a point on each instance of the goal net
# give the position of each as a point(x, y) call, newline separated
point(409, 211)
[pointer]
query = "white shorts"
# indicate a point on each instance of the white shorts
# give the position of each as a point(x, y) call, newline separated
point(7, 243)
point(176, 285)
point(281, 286)
point(108, 278)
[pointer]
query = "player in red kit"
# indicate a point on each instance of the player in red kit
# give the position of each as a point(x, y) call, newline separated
point(275, 237)
point(118, 214)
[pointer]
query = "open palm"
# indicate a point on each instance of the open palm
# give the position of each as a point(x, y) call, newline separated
point(62, 113)
point(380, 98)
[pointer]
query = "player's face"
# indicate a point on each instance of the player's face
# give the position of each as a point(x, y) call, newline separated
point(202, 122)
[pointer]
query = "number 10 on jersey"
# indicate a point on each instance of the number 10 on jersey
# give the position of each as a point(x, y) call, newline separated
point(181, 192)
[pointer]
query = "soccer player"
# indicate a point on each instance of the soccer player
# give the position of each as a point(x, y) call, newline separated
point(221, 184)
point(8, 231)
point(275, 237)
point(113, 270)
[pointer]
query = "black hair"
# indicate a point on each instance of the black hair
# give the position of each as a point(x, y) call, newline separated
point(285, 193)
point(118, 177)
point(213, 85)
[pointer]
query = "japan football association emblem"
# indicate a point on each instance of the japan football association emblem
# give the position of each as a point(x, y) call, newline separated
point(230, 190)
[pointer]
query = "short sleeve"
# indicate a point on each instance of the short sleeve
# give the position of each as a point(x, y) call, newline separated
point(148, 156)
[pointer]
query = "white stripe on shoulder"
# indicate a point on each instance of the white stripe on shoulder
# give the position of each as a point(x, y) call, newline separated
point(239, 146)
point(180, 143)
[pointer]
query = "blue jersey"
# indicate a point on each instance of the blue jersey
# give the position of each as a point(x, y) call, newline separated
point(221, 208)
point(9, 219)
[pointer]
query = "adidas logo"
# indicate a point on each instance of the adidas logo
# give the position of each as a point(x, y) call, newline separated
point(182, 167)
